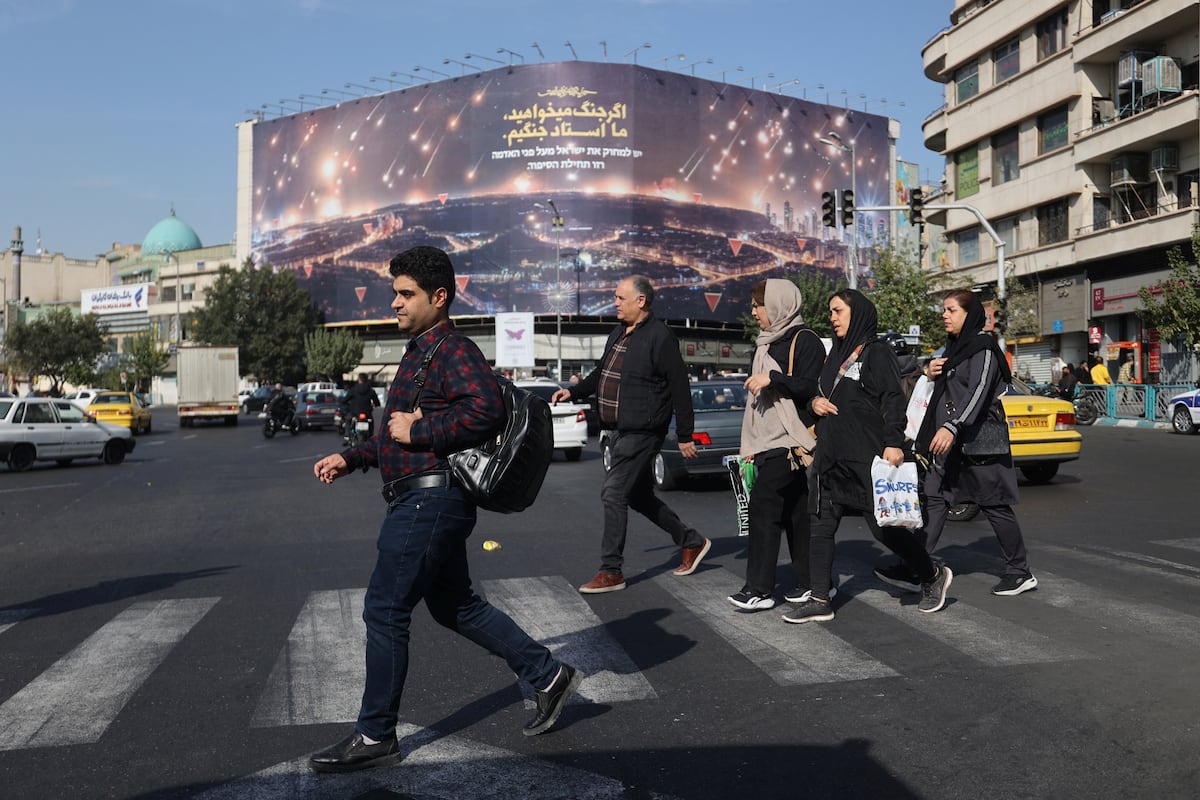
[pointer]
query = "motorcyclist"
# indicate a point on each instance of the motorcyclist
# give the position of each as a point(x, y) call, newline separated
point(360, 399)
point(280, 406)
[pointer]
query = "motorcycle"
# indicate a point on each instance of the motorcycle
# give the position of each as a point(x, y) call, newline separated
point(1087, 406)
point(281, 420)
point(358, 430)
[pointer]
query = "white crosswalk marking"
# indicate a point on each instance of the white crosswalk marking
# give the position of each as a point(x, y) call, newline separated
point(552, 611)
point(77, 698)
point(1183, 544)
point(319, 675)
point(13, 616)
point(790, 654)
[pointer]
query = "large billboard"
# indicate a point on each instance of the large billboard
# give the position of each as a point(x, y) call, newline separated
point(549, 183)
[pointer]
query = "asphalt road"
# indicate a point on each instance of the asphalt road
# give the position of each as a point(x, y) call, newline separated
point(186, 624)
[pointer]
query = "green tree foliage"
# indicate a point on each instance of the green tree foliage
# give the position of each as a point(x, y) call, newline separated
point(1173, 306)
point(1021, 303)
point(815, 289)
point(904, 295)
point(331, 353)
point(144, 361)
point(59, 345)
point(265, 314)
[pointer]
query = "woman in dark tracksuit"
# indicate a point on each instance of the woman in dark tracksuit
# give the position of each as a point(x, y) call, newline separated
point(967, 381)
point(783, 379)
point(861, 414)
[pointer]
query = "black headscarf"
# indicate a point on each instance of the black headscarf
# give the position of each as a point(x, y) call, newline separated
point(863, 323)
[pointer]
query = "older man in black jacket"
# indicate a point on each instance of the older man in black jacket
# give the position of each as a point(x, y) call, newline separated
point(640, 383)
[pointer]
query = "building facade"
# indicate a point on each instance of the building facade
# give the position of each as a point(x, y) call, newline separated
point(1074, 129)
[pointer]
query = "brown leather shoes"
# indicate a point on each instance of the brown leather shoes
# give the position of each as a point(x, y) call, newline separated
point(604, 582)
point(692, 556)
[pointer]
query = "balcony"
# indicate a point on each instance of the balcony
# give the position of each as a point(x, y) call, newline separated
point(1160, 226)
point(1174, 121)
point(1144, 23)
point(934, 130)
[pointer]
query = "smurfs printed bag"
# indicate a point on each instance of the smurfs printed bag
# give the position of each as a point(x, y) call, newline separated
point(896, 502)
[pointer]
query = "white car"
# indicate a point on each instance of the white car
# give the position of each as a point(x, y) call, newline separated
point(1185, 411)
point(82, 398)
point(49, 429)
point(570, 419)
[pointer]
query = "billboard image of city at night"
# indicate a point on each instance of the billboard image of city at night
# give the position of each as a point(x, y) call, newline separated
point(549, 183)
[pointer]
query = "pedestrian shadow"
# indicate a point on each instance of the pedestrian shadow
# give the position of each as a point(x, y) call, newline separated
point(104, 592)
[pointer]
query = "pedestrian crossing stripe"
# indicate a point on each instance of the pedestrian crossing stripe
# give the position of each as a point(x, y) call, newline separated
point(12, 616)
point(78, 697)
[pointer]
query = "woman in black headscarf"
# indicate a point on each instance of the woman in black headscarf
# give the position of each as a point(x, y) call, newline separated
point(967, 382)
point(860, 414)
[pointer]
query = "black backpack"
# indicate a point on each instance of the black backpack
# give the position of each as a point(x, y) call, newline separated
point(505, 473)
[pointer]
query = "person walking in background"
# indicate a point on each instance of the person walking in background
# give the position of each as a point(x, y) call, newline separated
point(422, 545)
point(783, 380)
point(1066, 383)
point(1125, 373)
point(968, 380)
point(860, 414)
point(1099, 372)
point(640, 383)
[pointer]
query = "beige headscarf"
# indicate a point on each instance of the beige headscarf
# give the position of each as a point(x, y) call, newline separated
point(771, 420)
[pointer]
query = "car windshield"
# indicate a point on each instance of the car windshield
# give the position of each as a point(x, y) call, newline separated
point(718, 397)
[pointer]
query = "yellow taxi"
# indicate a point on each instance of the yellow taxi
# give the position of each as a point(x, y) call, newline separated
point(1041, 432)
point(120, 408)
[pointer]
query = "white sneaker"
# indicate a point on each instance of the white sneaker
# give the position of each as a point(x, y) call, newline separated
point(796, 596)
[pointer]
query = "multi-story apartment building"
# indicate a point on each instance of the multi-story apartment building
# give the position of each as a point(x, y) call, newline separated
point(1074, 129)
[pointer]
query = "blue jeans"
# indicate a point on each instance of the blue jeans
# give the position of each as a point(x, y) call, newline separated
point(423, 556)
point(629, 484)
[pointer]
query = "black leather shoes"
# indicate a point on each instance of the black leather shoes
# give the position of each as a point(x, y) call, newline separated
point(353, 753)
point(551, 701)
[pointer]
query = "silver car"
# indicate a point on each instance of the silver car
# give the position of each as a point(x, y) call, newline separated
point(49, 429)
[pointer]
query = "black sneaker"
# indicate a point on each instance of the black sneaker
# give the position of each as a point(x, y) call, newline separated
point(752, 601)
point(799, 595)
point(1010, 585)
point(352, 753)
point(812, 611)
point(551, 701)
point(900, 576)
point(933, 594)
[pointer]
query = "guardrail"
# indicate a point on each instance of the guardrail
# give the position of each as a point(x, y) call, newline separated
point(1133, 400)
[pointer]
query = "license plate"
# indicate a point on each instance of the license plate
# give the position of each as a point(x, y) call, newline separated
point(1027, 422)
point(361, 426)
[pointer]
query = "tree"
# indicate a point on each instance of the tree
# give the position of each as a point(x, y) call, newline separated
point(331, 354)
point(903, 295)
point(144, 361)
point(265, 314)
point(1173, 306)
point(59, 345)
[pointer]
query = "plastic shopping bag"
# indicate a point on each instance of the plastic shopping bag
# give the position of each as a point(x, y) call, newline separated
point(897, 504)
point(741, 475)
point(918, 403)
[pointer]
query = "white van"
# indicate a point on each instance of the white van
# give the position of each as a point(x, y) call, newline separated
point(82, 398)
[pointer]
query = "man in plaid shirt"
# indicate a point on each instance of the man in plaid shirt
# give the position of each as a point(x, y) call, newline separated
point(422, 546)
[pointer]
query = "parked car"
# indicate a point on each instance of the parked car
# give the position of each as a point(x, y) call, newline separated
point(570, 419)
point(1185, 411)
point(48, 429)
point(719, 407)
point(256, 399)
point(316, 386)
point(121, 408)
point(592, 411)
point(316, 409)
point(83, 397)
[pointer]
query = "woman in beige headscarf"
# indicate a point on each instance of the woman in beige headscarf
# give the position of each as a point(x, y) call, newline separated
point(783, 379)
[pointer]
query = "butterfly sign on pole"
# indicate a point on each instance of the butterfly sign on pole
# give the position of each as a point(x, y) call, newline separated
point(514, 339)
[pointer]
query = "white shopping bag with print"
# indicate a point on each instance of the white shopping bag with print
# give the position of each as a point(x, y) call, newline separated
point(897, 504)
point(918, 404)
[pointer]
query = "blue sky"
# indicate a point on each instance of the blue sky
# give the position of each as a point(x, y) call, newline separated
point(115, 111)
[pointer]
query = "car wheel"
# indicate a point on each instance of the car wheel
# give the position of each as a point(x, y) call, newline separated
point(21, 458)
point(1181, 421)
point(606, 455)
point(663, 479)
point(962, 512)
point(573, 453)
point(1043, 472)
point(245, 408)
point(114, 452)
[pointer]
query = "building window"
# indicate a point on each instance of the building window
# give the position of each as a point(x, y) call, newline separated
point(967, 81)
point(1053, 130)
point(1052, 34)
point(1007, 60)
point(1007, 229)
point(1052, 222)
point(968, 246)
point(188, 291)
point(166, 294)
point(966, 163)
point(1005, 161)
point(1187, 188)
point(1101, 212)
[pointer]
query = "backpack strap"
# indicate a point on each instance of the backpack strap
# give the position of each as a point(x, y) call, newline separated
point(792, 349)
point(423, 371)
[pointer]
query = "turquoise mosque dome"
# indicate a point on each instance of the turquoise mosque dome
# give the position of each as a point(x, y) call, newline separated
point(171, 235)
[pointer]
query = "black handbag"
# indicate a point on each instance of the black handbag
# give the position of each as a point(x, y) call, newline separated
point(989, 439)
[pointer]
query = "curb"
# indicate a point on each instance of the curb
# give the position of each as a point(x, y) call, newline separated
point(1117, 422)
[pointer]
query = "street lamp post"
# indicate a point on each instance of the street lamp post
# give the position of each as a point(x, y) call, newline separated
point(556, 222)
point(178, 294)
point(834, 140)
point(634, 51)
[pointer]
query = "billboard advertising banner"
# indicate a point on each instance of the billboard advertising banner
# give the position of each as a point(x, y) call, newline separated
point(549, 183)
point(115, 299)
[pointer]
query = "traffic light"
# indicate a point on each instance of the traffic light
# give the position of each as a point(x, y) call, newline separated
point(916, 203)
point(827, 218)
point(847, 207)
point(999, 316)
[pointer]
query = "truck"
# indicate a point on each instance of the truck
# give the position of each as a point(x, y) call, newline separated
point(208, 384)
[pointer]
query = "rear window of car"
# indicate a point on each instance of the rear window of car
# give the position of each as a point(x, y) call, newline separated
point(718, 398)
point(111, 399)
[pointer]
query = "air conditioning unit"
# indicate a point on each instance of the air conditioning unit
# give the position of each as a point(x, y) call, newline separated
point(1129, 65)
point(1165, 158)
point(1161, 74)
point(1129, 168)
